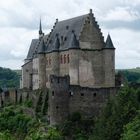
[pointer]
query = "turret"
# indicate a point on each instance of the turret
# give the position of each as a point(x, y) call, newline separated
point(109, 62)
point(41, 34)
point(109, 43)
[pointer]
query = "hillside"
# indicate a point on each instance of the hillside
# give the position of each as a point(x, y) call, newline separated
point(131, 75)
point(9, 78)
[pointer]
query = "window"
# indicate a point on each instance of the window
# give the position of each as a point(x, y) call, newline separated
point(64, 59)
point(65, 38)
point(82, 94)
point(58, 80)
point(68, 58)
point(94, 94)
point(67, 27)
point(71, 93)
point(52, 93)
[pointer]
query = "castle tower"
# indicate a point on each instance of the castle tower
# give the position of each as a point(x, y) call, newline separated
point(59, 99)
point(109, 62)
point(42, 64)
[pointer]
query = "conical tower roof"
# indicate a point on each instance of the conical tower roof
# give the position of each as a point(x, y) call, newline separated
point(109, 43)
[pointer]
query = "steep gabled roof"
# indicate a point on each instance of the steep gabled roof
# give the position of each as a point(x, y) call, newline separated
point(109, 43)
point(33, 48)
point(64, 30)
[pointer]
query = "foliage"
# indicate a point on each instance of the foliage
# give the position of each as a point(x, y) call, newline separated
point(117, 113)
point(131, 76)
point(132, 129)
point(14, 124)
point(54, 134)
point(6, 136)
point(38, 108)
point(9, 78)
point(76, 127)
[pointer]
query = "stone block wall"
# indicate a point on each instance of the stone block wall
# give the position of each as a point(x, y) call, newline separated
point(65, 99)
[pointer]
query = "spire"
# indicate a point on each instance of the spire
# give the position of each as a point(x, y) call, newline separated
point(40, 28)
point(109, 43)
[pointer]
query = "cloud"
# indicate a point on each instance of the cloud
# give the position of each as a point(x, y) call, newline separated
point(122, 14)
point(127, 47)
point(20, 20)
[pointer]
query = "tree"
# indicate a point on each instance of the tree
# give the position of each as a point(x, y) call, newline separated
point(132, 129)
point(117, 113)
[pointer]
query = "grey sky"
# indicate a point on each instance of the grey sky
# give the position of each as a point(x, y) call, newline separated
point(19, 20)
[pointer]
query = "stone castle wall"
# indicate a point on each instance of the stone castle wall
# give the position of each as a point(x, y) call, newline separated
point(65, 99)
point(27, 75)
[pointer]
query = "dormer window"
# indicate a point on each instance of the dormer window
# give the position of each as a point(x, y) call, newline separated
point(65, 38)
point(67, 27)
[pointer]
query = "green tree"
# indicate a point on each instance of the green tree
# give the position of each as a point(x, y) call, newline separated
point(117, 113)
point(132, 129)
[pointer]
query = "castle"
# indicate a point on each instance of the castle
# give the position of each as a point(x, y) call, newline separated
point(75, 64)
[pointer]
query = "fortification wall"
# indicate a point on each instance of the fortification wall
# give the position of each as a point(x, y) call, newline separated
point(27, 75)
point(42, 70)
point(89, 101)
point(58, 99)
point(65, 99)
point(35, 80)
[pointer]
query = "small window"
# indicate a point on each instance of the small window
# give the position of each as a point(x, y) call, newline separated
point(71, 93)
point(65, 38)
point(68, 58)
point(27, 70)
point(82, 94)
point(67, 27)
point(64, 59)
point(52, 93)
point(50, 41)
point(57, 107)
point(94, 94)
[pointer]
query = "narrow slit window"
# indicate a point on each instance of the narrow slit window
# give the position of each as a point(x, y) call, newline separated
point(68, 58)
point(64, 59)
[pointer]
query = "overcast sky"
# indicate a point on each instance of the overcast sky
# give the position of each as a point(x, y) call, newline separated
point(19, 21)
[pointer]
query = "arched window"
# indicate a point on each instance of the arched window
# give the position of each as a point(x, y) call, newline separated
point(61, 59)
point(68, 58)
point(64, 58)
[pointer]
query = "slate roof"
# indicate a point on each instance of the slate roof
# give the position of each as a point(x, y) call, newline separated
point(33, 48)
point(64, 35)
point(109, 43)
point(64, 30)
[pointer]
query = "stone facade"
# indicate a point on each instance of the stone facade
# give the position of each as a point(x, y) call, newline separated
point(66, 99)
point(76, 48)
